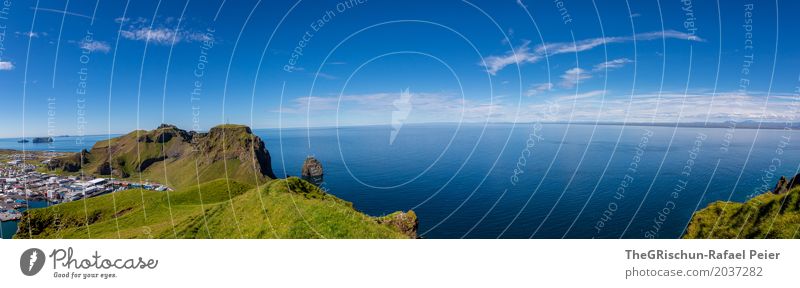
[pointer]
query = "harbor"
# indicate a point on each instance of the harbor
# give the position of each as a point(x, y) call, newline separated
point(25, 185)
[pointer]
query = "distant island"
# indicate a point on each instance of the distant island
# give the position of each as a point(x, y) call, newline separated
point(37, 140)
point(42, 140)
point(223, 185)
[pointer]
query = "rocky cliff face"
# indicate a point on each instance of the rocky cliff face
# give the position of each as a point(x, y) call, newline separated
point(226, 142)
point(70, 163)
point(784, 186)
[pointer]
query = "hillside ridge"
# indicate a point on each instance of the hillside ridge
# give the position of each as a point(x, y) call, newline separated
point(773, 214)
point(228, 149)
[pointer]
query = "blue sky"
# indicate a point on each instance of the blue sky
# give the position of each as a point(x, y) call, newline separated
point(263, 63)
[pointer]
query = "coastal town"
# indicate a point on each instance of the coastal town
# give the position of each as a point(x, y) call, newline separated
point(22, 184)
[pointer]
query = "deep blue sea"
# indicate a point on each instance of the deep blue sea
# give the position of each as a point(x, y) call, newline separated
point(540, 181)
point(458, 179)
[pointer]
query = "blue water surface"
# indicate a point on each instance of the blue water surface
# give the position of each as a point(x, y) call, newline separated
point(572, 181)
point(531, 180)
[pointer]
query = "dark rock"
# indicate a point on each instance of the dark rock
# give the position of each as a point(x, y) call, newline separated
point(784, 186)
point(43, 140)
point(150, 161)
point(168, 126)
point(312, 170)
point(311, 167)
point(116, 171)
point(103, 169)
point(164, 137)
point(70, 163)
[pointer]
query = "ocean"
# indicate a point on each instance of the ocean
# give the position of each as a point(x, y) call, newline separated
point(533, 180)
point(540, 181)
point(59, 144)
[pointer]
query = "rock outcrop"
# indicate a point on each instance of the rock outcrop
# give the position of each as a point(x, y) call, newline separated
point(784, 186)
point(312, 170)
point(405, 222)
point(70, 163)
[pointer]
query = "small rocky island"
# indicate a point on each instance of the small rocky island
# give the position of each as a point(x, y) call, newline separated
point(43, 140)
point(312, 171)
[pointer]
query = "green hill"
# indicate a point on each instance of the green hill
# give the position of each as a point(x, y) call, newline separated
point(768, 215)
point(286, 208)
point(224, 188)
point(175, 157)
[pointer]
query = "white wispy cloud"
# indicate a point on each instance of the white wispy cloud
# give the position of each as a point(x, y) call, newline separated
point(577, 75)
point(95, 46)
point(140, 30)
point(613, 64)
point(6, 66)
point(574, 76)
point(539, 88)
point(524, 54)
point(29, 34)
point(378, 107)
point(579, 96)
point(518, 55)
point(156, 35)
point(669, 107)
point(596, 105)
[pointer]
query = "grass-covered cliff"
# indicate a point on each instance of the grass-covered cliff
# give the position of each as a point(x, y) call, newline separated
point(224, 188)
point(286, 208)
point(769, 215)
point(175, 157)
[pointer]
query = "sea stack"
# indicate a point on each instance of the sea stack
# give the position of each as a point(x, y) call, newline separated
point(312, 170)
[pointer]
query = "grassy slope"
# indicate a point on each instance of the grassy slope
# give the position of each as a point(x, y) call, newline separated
point(211, 210)
point(190, 168)
point(765, 216)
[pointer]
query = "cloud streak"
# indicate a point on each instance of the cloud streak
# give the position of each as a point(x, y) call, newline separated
point(377, 108)
point(574, 76)
point(94, 46)
point(524, 54)
point(138, 30)
point(670, 107)
point(611, 65)
point(6, 66)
